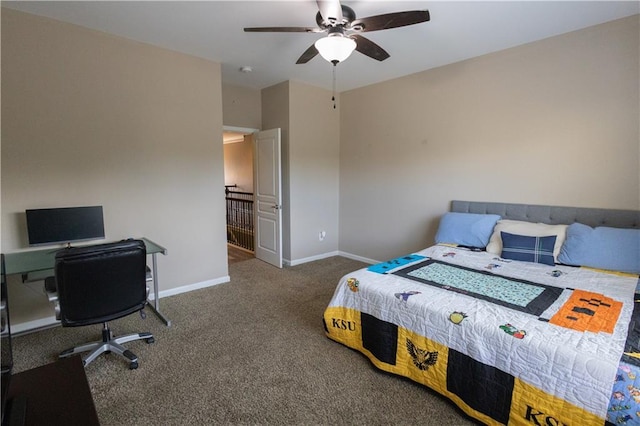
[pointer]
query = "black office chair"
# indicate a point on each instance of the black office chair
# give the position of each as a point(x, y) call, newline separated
point(99, 283)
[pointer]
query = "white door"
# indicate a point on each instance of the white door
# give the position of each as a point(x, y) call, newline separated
point(268, 198)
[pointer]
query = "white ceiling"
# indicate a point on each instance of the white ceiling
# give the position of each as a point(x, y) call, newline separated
point(213, 30)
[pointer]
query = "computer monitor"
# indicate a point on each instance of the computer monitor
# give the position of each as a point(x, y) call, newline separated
point(64, 225)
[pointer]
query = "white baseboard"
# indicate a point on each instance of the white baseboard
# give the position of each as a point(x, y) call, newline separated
point(359, 258)
point(191, 287)
point(309, 259)
point(287, 262)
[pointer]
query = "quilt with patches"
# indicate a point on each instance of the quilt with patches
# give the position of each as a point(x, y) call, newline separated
point(509, 342)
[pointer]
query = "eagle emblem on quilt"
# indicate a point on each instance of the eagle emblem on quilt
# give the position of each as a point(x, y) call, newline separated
point(421, 358)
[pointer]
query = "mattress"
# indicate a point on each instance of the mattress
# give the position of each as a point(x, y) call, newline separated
point(509, 342)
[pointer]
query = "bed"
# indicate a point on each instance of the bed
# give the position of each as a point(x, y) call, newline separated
point(519, 314)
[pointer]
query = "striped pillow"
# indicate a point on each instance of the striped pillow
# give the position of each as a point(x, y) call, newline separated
point(528, 249)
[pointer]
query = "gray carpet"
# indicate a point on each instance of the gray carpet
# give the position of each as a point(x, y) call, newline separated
point(252, 351)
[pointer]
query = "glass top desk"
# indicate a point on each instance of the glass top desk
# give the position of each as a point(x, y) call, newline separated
point(33, 261)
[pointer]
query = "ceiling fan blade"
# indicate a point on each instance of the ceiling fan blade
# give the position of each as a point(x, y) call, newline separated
point(331, 11)
point(390, 20)
point(283, 30)
point(308, 55)
point(369, 48)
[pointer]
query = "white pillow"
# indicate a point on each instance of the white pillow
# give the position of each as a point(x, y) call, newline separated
point(529, 229)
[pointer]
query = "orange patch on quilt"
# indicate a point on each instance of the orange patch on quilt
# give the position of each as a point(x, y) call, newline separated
point(587, 311)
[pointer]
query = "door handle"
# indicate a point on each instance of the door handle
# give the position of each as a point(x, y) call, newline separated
point(276, 207)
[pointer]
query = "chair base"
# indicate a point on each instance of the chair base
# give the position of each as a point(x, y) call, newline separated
point(109, 344)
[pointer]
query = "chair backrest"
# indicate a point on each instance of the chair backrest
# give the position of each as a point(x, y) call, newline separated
point(101, 282)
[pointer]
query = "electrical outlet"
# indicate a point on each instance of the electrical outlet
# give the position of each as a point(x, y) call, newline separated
point(321, 235)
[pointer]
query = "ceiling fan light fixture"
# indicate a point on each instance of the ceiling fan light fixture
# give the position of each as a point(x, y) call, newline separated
point(335, 47)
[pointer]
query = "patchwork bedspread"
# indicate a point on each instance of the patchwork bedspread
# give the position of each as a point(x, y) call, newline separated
point(509, 342)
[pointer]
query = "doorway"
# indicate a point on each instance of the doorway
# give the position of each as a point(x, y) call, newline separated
point(257, 164)
point(239, 181)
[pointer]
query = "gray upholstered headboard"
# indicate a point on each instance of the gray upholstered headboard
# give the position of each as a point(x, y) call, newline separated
point(552, 214)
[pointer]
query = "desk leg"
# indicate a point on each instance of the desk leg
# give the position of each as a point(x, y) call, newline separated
point(155, 307)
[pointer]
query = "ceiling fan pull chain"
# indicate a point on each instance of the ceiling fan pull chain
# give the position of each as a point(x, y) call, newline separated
point(333, 97)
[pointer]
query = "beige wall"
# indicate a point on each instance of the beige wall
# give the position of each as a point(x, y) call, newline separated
point(241, 107)
point(314, 149)
point(551, 122)
point(310, 175)
point(90, 118)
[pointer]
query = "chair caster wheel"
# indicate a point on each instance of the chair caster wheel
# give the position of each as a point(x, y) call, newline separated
point(150, 340)
point(133, 365)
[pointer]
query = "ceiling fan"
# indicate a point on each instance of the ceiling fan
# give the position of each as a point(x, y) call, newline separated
point(343, 31)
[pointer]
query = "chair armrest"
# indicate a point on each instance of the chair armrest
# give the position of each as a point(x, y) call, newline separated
point(52, 294)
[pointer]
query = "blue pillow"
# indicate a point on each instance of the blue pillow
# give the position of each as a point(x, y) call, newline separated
point(528, 249)
point(615, 249)
point(466, 229)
